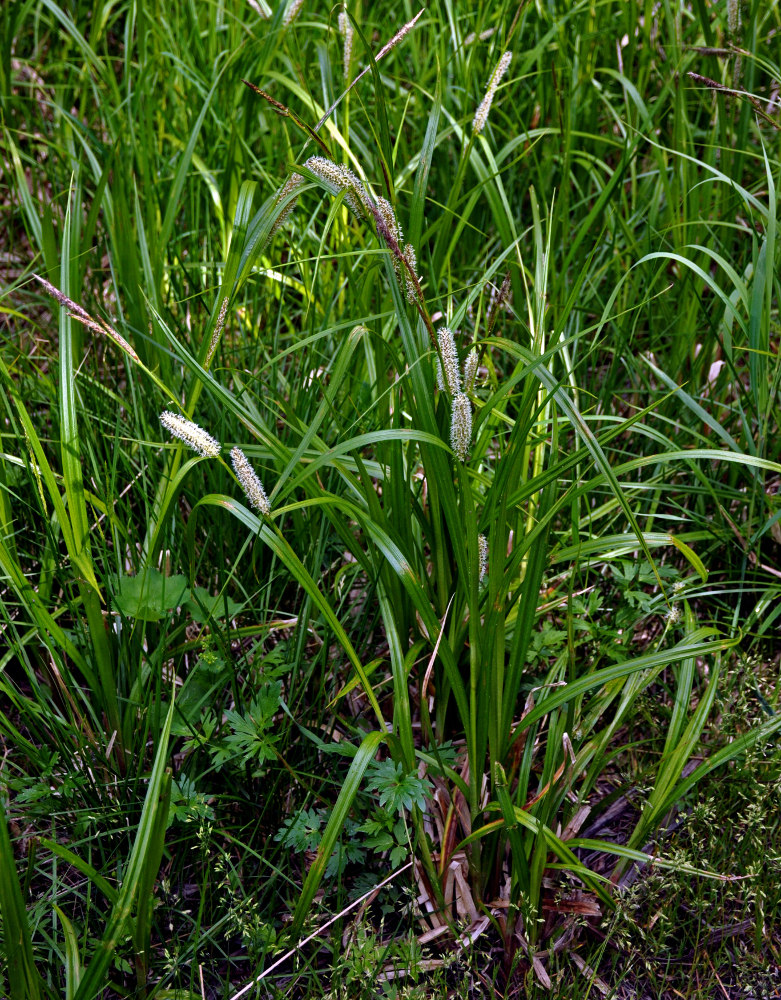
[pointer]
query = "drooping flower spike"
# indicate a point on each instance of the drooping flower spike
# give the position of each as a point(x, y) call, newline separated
point(341, 178)
point(250, 483)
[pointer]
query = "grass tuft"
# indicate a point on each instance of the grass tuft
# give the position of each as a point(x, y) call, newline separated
point(481, 698)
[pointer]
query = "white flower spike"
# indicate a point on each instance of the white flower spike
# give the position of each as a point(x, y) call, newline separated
point(470, 370)
point(249, 481)
point(481, 115)
point(461, 426)
point(448, 376)
point(194, 437)
point(482, 549)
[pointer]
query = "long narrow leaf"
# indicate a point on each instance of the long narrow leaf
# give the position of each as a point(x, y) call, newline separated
point(333, 830)
point(23, 976)
point(136, 871)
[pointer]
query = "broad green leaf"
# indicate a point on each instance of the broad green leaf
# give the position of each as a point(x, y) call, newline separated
point(150, 596)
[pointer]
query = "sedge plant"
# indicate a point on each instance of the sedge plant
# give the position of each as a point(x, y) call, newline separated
point(440, 367)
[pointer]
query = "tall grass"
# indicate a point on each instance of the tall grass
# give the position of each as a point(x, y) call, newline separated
point(430, 636)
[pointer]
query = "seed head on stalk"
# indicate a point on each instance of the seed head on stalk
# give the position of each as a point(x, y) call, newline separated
point(347, 31)
point(190, 433)
point(461, 426)
point(340, 177)
point(218, 326)
point(470, 370)
point(405, 262)
point(481, 115)
point(412, 264)
point(447, 363)
point(292, 12)
point(250, 482)
point(482, 550)
point(293, 182)
point(80, 314)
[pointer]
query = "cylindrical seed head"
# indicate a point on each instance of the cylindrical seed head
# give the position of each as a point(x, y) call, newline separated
point(250, 482)
point(461, 426)
point(294, 181)
point(482, 551)
point(217, 331)
point(470, 370)
point(190, 433)
point(292, 12)
point(409, 284)
point(481, 115)
point(346, 29)
point(447, 373)
point(341, 178)
point(388, 216)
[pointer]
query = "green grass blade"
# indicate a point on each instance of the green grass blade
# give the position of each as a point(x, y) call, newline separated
point(692, 645)
point(73, 968)
point(418, 205)
point(23, 977)
point(82, 866)
point(72, 471)
point(738, 746)
point(184, 165)
point(364, 755)
point(385, 146)
point(145, 847)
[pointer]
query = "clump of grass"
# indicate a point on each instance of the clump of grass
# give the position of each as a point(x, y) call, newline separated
point(483, 622)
